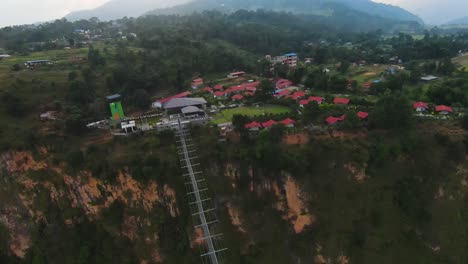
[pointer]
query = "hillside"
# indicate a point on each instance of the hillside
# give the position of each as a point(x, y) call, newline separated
point(116, 9)
point(296, 6)
point(389, 187)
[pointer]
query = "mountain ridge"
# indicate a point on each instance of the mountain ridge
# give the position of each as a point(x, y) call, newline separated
point(116, 9)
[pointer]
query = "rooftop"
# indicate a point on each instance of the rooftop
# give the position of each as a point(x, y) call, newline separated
point(190, 110)
point(184, 102)
point(113, 97)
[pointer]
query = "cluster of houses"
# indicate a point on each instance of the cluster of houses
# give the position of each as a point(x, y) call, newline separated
point(332, 120)
point(255, 126)
point(235, 93)
point(422, 107)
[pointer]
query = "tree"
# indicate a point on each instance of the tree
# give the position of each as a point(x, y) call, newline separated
point(239, 122)
point(337, 84)
point(142, 99)
point(75, 123)
point(80, 93)
point(310, 113)
point(13, 105)
point(296, 75)
point(392, 112)
point(277, 133)
point(264, 91)
point(72, 76)
point(94, 57)
point(351, 121)
point(464, 122)
point(16, 67)
point(344, 66)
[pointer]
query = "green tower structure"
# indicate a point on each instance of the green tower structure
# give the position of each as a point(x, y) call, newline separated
point(115, 104)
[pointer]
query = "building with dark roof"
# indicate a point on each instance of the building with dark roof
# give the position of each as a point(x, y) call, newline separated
point(185, 106)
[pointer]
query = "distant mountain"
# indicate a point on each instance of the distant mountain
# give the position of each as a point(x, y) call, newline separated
point(116, 9)
point(296, 6)
point(460, 21)
point(383, 10)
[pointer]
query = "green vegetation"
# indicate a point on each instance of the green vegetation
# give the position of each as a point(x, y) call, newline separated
point(388, 190)
point(251, 111)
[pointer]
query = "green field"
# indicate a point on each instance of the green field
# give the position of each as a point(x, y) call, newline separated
point(226, 115)
point(461, 60)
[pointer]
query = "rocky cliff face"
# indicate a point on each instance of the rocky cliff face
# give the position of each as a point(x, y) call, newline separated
point(24, 192)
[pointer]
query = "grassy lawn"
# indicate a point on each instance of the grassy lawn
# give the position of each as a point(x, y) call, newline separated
point(461, 60)
point(366, 73)
point(226, 115)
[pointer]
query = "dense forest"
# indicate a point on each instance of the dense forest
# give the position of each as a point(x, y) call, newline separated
point(390, 190)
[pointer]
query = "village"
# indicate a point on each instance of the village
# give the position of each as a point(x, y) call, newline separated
point(216, 102)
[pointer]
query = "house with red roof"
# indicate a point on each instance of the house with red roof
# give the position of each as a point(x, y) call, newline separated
point(284, 92)
point(341, 101)
point(331, 120)
point(218, 87)
point(207, 89)
point(296, 95)
point(219, 94)
point(196, 83)
point(317, 99)
point(237, 97)
point(303, 102)
point(283, 83)
point(254, 126)
point(288, 122)
point(269, 124)
point(363, 115)
point(420, 107)
point(444, 110)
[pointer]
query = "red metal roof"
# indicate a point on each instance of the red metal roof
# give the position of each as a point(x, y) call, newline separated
point(253, 125)
point(283, 83)
point(444, 108)
point(218, 87)
point(317, 99)
point(304, 102)
point(284, 93)
point(363, 115)
point(218, 94)
point(269, 123)
point(331, 120)
point(237, 97)
point(288, 121)
point(343, 101)
point(181, 95)
point(207, 89)
point(420, 105)
point(296, 95)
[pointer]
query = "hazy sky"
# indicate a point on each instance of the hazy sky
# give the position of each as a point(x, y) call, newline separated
point(31, 11)
point(433, 11)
